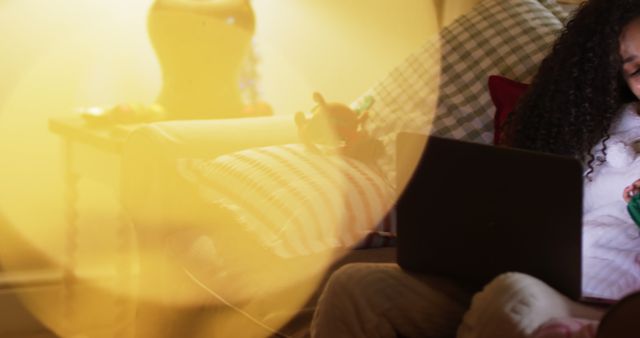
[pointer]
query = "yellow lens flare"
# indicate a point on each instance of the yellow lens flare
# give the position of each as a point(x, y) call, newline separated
point(103, 274)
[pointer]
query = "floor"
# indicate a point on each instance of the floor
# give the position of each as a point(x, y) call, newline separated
point(98, 314)
point(16, 321)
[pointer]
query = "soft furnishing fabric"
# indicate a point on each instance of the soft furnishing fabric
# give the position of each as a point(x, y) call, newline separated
point(294, 201)
point(554, 7)
point(515, 305)
point(441, 88)
point(505, 94)
point(611, 240)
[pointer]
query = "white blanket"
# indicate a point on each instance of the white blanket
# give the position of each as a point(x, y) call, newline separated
point(611, 240)
point(611, 256)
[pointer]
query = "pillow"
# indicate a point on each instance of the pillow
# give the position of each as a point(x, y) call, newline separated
point(554, 7)
point(296, 202)
point(504, 94)
point(441, 89)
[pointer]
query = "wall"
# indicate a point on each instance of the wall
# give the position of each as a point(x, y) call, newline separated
point(451, 9)
point(337, 47)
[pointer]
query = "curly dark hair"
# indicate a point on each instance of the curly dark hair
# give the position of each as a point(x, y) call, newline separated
point(579, 87)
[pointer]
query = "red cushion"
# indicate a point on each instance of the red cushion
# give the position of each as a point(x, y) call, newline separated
point(504, 94)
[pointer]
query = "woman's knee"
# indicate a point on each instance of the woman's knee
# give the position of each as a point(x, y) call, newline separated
point(524, 290)
point(355, 280)
point(518, 295)
point(347, 276)
point(510, 283)
point(507, 306)
point(515, 304)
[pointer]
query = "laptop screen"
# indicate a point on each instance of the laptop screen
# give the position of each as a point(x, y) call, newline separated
point(471, 212)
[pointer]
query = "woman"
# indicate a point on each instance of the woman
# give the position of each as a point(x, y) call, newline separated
point(591, 74)
point(582, 84)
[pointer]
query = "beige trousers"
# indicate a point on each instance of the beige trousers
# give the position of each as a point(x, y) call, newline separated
point(381, 300)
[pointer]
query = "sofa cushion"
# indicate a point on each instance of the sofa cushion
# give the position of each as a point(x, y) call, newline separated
point(294, 201)
point(441, 89)
point(554, 7)
point(504, 95)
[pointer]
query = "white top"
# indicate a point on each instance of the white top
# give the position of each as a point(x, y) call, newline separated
point(611, 240)
point(622, 165)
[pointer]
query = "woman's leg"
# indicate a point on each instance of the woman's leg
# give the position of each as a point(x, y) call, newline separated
point(382, 300)
point(514, 305)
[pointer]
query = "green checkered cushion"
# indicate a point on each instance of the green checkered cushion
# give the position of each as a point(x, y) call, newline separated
point(557, 10)
point(442, 88)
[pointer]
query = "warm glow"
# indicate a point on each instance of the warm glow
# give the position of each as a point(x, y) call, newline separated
point(339, 48)
point(59, 56)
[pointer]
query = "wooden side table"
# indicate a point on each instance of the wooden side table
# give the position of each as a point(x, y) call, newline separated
point(94, 153)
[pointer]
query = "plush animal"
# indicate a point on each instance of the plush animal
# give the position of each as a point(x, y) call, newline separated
point(336, 128)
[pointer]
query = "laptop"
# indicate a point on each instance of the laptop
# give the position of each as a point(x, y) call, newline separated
point(471, 212)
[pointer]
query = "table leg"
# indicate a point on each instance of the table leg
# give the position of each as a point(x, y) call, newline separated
point(125, 282)
point(69, 278)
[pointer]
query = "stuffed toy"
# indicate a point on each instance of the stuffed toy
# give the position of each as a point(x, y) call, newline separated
point(334, 128)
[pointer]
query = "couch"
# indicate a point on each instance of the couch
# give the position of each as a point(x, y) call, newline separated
point(196, 220)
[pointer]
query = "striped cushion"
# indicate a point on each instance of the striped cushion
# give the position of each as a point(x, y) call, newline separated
point(295, 202)
point(442, 87)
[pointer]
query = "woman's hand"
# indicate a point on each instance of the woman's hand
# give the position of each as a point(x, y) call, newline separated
point(631, 190)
